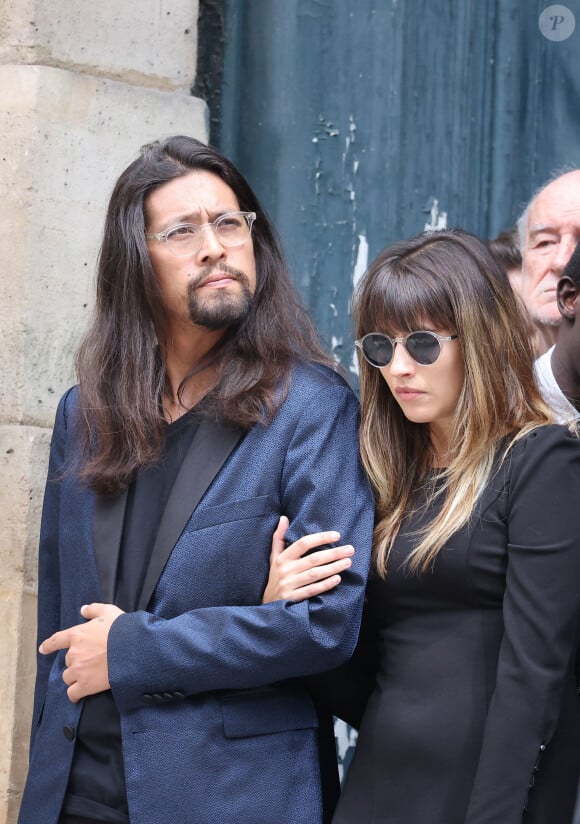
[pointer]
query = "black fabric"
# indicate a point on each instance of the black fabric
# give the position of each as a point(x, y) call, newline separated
point(209, 450)
point(79, 819)
point(474, 714)
point(97, 781)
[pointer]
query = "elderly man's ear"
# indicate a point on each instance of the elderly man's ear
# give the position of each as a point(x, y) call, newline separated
point(567, 295)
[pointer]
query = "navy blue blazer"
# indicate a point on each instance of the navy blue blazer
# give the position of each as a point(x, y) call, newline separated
point(213, 731)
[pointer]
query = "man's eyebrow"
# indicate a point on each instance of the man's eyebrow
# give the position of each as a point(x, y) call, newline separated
point(540, 227)
point(193, 217)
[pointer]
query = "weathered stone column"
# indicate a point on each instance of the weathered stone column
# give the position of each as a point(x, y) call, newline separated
point(82, 87)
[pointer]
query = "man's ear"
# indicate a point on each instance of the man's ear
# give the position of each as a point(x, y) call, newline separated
point(567, 294)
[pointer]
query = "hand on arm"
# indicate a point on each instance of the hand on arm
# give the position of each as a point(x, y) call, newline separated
point(87, 671)
point(296, 576)
point(241, 645)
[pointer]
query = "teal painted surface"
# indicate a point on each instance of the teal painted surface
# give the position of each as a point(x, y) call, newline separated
point(352, 118)
point(360, 121)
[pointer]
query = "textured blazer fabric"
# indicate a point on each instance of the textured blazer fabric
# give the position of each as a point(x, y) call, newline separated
point(213, 729)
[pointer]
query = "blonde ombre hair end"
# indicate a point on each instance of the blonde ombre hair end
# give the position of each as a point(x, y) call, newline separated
point(443, 281)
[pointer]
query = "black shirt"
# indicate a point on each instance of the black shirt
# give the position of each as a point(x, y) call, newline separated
point(96, 787)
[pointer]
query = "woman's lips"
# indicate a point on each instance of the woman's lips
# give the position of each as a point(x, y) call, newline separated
point(407, 393)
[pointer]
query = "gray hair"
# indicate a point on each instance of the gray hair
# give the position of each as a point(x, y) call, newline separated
point(522, 221)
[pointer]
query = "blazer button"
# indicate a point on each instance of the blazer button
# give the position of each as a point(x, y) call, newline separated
point(148, 699)
point(68, 732)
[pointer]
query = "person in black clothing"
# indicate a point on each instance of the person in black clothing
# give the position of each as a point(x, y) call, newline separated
point(464, 673)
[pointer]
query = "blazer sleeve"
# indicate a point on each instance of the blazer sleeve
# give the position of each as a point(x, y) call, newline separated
point(239, 647)
point(540, 611)
point(48, 618)
point(345, 691)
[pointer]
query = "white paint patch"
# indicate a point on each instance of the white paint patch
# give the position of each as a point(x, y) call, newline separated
point(362, 260)
point(336, 343)
point(352, 128)
point(334, 309)
point(354, 363)
point(438, 219)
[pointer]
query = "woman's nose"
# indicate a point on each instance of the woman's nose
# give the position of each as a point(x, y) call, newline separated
point(401, 363)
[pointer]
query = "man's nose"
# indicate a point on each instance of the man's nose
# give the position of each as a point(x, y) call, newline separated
point(210, 247)
point(564, 253)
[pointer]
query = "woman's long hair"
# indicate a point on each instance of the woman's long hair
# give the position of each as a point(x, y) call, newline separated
point(121, 363)
point(448, 281)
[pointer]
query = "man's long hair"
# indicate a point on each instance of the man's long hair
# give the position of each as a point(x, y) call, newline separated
point(121, 361)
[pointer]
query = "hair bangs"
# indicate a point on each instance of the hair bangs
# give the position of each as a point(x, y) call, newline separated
point(406, 297)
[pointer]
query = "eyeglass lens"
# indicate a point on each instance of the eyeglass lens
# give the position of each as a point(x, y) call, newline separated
point(231, 230)
point(423, 347)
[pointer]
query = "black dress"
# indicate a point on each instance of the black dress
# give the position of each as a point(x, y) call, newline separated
point(474, 701)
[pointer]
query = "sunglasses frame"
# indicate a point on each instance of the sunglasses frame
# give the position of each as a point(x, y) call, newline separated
point(394, 341)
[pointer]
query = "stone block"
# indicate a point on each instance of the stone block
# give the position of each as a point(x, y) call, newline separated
point(152, 44)
point(64, 139)
point(23, 463)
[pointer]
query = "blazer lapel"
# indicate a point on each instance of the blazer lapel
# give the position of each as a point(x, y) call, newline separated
point(107, 533)
point(211, 446)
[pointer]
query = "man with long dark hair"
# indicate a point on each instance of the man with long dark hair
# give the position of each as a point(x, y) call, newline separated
point(205, 411)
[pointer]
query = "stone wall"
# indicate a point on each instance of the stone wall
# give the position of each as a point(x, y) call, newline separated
point(82, 87)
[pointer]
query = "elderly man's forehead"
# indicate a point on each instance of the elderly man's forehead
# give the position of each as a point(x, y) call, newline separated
point(562, 217)
point(557, 203)
point(566, 186)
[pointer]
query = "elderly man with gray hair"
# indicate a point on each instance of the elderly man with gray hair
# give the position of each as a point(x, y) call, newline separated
point(549, 230)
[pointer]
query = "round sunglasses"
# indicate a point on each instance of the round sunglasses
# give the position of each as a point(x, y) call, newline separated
point(423, 347)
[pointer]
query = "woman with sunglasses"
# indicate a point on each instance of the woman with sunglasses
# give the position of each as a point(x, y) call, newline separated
point(471, 622)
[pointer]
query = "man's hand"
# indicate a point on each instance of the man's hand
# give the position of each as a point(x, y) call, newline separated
point(87, 670)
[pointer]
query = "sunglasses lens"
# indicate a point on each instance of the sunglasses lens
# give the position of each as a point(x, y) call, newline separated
point(423, 347)
point(377, 349)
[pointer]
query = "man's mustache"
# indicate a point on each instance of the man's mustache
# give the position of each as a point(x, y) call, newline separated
point(208, 271)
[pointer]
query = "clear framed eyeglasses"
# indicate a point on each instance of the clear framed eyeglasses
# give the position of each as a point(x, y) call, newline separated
point(231, 229)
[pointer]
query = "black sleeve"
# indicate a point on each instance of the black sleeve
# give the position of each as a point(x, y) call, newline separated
point(540, 612)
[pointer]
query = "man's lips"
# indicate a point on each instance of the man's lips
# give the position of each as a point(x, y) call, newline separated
point(217, 280)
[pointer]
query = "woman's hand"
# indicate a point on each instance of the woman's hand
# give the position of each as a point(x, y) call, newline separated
point(294, 577)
